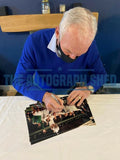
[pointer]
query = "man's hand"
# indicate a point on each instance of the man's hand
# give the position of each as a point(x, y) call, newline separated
point(51, 103)
point(79, 93)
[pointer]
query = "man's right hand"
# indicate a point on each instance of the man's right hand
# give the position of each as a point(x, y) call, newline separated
point(51, 103)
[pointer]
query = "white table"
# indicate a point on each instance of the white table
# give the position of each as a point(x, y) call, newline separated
point(98, 142)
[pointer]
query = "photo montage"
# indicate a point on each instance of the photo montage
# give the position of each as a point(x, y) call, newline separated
point(43, 124)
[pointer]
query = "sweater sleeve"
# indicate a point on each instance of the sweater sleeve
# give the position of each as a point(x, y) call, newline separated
point(97, 75)
point(23, 79)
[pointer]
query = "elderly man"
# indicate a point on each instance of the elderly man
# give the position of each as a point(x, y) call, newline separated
point(55, 59)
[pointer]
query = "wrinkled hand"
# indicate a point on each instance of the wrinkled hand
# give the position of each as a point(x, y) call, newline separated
point(51, 103)
point(79, 93)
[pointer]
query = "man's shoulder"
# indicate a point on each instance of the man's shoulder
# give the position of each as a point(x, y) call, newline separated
point(92, 47)
point(43, 34)
point(93, 51)
point(93, 44)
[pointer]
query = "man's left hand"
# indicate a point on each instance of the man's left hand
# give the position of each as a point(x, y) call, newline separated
point(79, 93)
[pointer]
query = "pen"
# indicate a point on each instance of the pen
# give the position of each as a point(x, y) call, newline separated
point(55, 98)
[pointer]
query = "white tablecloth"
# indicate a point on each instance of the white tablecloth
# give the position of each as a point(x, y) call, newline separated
point(98, 142)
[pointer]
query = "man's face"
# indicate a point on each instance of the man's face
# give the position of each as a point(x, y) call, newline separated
point(72, 43)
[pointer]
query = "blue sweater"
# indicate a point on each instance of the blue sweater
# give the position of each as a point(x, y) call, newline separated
point(40, 70)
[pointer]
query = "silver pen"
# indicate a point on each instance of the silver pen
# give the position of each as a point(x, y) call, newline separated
point(55, 98)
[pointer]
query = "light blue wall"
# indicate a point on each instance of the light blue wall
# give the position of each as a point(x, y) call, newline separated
point(108, 42)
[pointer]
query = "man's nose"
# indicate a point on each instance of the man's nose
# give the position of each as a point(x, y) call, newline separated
point(72, 56)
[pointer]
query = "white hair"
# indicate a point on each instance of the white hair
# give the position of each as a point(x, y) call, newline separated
point(82, 17)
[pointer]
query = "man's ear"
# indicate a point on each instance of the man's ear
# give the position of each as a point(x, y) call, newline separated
point(57, 32)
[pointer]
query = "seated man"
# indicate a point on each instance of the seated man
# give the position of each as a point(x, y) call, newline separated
point(53, 60)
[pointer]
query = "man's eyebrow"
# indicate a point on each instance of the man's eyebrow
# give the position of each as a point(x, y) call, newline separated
point(68, 50)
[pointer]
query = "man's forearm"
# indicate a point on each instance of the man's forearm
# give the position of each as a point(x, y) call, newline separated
point(28, 89)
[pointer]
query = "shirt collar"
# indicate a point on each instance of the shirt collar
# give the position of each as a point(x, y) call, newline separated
point(52, 44)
